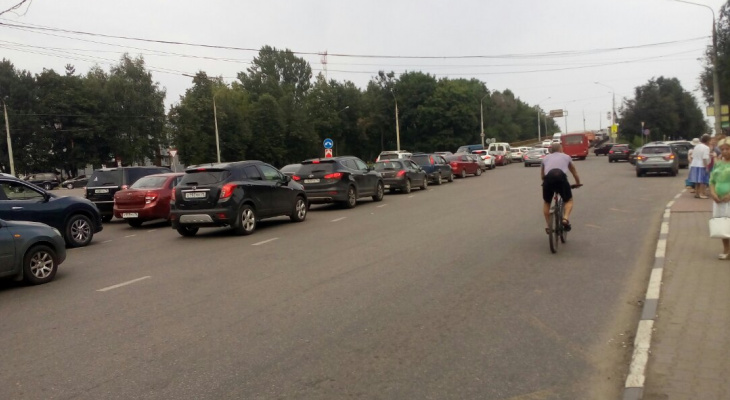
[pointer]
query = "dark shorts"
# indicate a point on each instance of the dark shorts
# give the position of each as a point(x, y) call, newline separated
point(556, 181)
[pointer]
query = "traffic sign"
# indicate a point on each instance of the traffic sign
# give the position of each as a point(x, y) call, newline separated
point(327, 153)
point(173, 153)
point(646, 132)
point(328, 143)
point(556, 113)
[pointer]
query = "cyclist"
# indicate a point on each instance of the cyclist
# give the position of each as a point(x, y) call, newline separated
point(554, 173)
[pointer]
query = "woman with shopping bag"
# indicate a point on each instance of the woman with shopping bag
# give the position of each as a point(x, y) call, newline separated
point(720, 193)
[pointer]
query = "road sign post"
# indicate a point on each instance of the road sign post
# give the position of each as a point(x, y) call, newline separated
point(327, 153)
point(173, 153)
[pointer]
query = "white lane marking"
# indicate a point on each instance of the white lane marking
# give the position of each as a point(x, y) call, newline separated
point(123, 284)
point(382, 205)
point(667, 213)
point(151, 230)
point(680, 194)
point(265, 241)
point(107, 241)
point(670, 204)
point(664, 228)
point(641, 354)
point(338, 219)
point(661, 248)
point(130, 236)
point(655, 284)
point(410, 197)
point(616, 209)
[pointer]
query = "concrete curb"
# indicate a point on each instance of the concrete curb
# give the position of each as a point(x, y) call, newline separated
point(634, 388)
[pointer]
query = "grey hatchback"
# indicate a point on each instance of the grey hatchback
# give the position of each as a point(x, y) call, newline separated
point(657, 158)
point(30, 251)
point(340, 180)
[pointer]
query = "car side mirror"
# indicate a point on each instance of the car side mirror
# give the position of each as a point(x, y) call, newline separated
point(287, 179)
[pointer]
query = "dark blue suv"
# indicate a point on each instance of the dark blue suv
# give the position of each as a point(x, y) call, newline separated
point(435, 166)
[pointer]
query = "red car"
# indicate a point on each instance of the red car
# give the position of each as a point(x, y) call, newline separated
point(147, 199)
point(463, 165)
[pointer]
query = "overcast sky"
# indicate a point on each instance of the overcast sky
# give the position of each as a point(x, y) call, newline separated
point(515, 39)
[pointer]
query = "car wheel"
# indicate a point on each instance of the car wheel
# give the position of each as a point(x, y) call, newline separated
point(639, 174)
point(47, 186)
point(300, 210)
point(106, 218)
point(407, 188)
point(70, 186)
point(135, 222)
point(479, 172)
point(39, 265)
point(673, 172)
point(379, 192)
point(351, 197)
point(246, 223)
point(187, 230)
point(425, 183)
point(79, 231)
point(438, 179)
point(463, 173)
point(451, 177)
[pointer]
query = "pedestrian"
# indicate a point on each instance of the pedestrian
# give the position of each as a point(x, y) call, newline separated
point(698, 173)
point(720, 191)
point(687, 183)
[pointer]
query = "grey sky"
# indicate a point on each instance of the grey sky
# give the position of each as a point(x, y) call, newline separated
point(524, 28)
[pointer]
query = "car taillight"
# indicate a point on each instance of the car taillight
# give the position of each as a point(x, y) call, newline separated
point(669, 157)
point(149, 197)
point(315, 162)
point(401, 173)
point(227, 190)
point(453, 164)
point(525, 157)
point(640, 158)
point(336, 175)
point(610, 152)
point(296, 178)
point(430, 159)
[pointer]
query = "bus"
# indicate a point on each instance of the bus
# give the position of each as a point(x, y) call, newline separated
point(575, 145)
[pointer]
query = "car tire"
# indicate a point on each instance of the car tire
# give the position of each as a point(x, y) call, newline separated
point(425, 183)
point(47, 186)
point(407, 187)
point(463, 173)
point(245, 221)
point(299, 213)
point(673, 172)
point(39, 265)
point(438, 180)
point(70, 186)
point(379, 192)
point(187, 230)
point(639, 174)
point(351, 201)
point(135, 222)
point(451, 177)
point(526, 165)
point(479, 172)
point(79, 231)
point(106, 218)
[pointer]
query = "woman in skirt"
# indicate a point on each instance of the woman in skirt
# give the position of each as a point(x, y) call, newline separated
point(720, 190)
point(698, 174)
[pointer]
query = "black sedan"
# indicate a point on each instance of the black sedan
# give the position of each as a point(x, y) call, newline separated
point(619, 152)
point(77, 182)
point(603, 149)
point(77, 219)
point(30, 251)
point(401, 175)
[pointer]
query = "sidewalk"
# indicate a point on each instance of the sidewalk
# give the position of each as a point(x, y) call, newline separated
point(690, 345)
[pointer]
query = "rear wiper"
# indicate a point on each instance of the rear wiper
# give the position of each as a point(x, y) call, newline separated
point(192, 183)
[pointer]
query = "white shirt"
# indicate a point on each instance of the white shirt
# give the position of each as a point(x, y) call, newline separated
point(559, 161)
point(700, 156)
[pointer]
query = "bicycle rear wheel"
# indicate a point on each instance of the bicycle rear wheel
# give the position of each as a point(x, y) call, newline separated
point(553, 236)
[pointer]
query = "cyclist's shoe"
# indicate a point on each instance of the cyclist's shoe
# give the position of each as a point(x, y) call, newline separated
point(566, 225)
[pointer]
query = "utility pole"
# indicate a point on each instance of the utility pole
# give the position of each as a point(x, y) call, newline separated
point(10, 143)
point(215, 122)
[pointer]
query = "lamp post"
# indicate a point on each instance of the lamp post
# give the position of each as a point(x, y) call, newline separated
point(10, 143)
point(481, 116)
point(613, 103)
point(215, 122)
point(715, 79)
point(538, 118)
point(397, 126)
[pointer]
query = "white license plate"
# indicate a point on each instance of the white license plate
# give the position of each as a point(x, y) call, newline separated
point(195, 195)
point(130, 215)
point(311, 181)
point(386, 186)
point(101, 191)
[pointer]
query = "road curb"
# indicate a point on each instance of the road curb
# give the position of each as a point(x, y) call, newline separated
point(634, 387)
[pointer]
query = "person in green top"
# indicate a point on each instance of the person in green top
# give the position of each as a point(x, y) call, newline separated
point(720, 190)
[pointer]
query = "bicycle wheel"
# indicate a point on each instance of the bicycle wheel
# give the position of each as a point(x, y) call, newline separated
point(553, 236)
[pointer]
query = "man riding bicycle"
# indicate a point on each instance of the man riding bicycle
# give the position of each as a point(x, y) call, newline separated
point(557, 164)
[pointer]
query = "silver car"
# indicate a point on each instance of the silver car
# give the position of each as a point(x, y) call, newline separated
point(30, 251)
point(657, 158)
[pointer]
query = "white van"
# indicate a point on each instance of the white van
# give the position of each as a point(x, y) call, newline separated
point(393, 155)
point(502, 149)
point(556, 137)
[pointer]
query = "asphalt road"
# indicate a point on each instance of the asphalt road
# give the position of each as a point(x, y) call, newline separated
point(451, 293)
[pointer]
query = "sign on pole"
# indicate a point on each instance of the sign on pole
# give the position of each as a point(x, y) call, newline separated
point(173, 153)
point(556, 113)
point(327, 153)
point(328, 143)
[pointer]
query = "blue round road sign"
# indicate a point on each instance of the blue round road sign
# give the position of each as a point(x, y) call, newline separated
point(328, 143)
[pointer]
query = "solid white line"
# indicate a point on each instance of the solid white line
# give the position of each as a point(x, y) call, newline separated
point(265, 241)
point(661, 248)
point(655, 284)
point(667, 214)
point(664, 228)
point(130, 236)
point(641, 354)
point(670, 204)
point(338, 219)
point(107, 241)
point(123, 284)
point(679, 194)
point(382, 205)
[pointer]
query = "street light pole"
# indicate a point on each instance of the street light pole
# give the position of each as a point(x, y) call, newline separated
point(613, 105)
point(10, 143)
point(538, 118)
point(715, 78)
point(215, 122)
point(481, 116)
point(397, 125)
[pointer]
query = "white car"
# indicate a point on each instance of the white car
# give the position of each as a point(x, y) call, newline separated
point(393, 155)
point(547, 143)
point(517, 154)
point(488, 159)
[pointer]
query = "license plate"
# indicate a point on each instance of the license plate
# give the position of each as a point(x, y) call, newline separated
point(130, 215)
point(386, 186)
point(195, 195)
point(101, 191)
point(311, 181)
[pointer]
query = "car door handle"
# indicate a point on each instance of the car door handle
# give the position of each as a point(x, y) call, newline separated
point(17, 208)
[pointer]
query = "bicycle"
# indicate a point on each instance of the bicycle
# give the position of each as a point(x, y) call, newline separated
point(557, 231)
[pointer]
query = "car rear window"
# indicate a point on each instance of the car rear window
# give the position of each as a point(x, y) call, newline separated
point(656, 150)
point(204, 177)
point(388, 165)
point(106, 178)
point(424, 159)
point(308, 169)
point(149, 182)
point(389, 156)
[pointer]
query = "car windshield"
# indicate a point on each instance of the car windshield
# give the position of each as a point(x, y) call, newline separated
point(388, 165)
point(150, 182)
point(111, 177)
point(204, 177)
point(656, 150)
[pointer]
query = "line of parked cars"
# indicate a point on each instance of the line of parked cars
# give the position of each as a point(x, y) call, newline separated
point(655, 157)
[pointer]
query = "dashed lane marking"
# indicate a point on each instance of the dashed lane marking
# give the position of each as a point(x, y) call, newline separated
point(123, 284)
point(593, 226)
point(382, 205)
point(338, 219)
point(264, 241)
point(107, 241)
point(410, 197)
point(151, 230)
point(128, 236)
